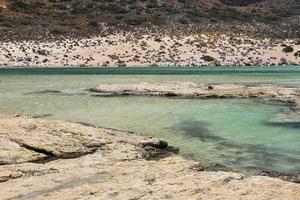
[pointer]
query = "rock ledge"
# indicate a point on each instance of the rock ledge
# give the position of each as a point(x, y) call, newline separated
point(85, 162)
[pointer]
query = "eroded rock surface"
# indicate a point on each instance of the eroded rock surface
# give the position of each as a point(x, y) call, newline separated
point(200, 90)
point(96, 163)
point(266, 93)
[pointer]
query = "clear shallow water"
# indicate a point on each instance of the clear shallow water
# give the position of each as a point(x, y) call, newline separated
point(229, 132)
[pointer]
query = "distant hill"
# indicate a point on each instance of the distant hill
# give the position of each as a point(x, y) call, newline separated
point(84, 17)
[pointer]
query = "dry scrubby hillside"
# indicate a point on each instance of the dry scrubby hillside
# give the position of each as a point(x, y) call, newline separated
point(32, 18)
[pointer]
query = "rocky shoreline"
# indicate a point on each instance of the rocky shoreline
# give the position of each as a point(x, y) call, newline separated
point(43, 159)
point(264, 93)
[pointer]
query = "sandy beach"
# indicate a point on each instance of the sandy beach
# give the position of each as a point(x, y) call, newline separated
point(134, 50)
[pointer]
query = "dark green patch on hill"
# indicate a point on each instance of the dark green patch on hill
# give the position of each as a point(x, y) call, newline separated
point(32, 18)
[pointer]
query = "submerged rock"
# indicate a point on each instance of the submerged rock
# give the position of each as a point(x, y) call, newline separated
point(288, 96)
point(160, 144)
point(45, 92)
point(289, 118)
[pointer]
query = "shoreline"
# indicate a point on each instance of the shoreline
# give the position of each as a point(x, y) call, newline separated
point(149, 67)
point(102, 163)
point(205, 70)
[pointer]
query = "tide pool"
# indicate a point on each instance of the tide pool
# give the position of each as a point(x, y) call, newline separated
point(233, 133)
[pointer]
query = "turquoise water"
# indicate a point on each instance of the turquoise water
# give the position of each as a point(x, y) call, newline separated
point(151, 70)
point(233, 133)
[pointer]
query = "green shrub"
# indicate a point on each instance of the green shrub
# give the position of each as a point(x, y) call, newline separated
point(183, 21)
point(117, 9)
point(19, 5)
point(58, 31)
point(93, 23)
point(288, 49)
point(207, 58)
point(137, 20)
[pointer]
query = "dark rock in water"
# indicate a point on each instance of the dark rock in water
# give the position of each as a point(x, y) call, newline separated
point(171, 94)
point(173, 149)
point(54, 92)
point(49, 91)
point(45, 92)
point(156, 143)
point(292, 177)
point(152, 153)
point(210, 87)
point(218, 167)
point(41, 116)
point(284, 124)
point(87, 124)
point(275, 101)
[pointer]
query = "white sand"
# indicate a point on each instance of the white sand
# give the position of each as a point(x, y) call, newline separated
point(125, 49)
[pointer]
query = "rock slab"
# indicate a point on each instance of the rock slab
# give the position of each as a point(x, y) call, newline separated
point(42, 159)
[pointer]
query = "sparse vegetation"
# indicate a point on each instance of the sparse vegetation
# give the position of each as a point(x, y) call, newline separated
point(19, 5)
point(288, 49)
point(207, 58)
point(93, 23)
point(123, 13)
point(58, 30)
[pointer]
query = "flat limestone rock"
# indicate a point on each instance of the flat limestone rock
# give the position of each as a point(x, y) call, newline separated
point(25, 141)
point(11, 152)
point(266, 93)
point(193, 90)
point(115, 168)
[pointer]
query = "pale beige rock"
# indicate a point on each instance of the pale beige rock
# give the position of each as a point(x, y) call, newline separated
point(266, 93)
point(198, 90)
point(116, 169)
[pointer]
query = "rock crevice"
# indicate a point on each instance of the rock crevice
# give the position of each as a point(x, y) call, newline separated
point(118, 169)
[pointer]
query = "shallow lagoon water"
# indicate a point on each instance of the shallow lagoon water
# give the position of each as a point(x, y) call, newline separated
point(233, 133)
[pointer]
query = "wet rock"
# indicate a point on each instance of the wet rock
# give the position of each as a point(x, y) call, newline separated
point(156, 143)
point(42, 116)
point(170, 94)
point(292, 177)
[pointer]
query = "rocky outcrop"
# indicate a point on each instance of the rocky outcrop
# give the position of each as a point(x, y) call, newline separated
point(293, 177)
point(192, 90)
point(85, 162)
point(264, 93)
